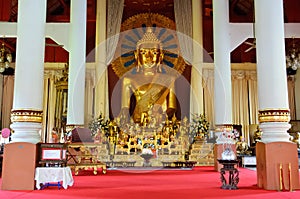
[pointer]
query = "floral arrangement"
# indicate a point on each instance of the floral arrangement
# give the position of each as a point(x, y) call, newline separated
point(147, 152)
point(199, 126)
point(228, 138)
point(98, 123)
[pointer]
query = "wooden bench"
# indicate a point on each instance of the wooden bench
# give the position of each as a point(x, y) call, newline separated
point(86, 166)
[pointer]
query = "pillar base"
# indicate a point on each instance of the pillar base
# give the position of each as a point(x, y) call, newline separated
point(19, 164)
point(26, 132)
point(269, 156)
point(218, 150)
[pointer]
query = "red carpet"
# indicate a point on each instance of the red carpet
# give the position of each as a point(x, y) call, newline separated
point(201, 182)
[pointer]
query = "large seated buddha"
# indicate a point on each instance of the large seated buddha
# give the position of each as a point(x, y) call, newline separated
point(152, 84)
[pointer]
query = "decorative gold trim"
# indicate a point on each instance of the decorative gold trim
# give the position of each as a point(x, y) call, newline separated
point(148, 19)
point(27, 115)
point(61, 85)
point(274, 115)
point(224, 127)
point(70, 127)
point(132, 31)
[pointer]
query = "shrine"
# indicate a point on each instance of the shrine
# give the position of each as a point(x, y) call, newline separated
point(169, 144)
point(149, 85)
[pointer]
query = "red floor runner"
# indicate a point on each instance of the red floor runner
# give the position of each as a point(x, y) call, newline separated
point(201, 182)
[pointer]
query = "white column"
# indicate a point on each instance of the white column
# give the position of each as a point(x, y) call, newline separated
point(76, 81)
point(222, 70)
point(29, 73)
point(196, 98)
point(101, 89)
point(271, 70)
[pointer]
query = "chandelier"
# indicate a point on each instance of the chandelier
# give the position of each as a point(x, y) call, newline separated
point(5, 58)
point(293, 58)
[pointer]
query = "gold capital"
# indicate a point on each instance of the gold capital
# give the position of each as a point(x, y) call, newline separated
point(27, 115)
point(274, 115)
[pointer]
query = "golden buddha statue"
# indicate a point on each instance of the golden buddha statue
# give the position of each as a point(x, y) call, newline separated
point(150, 83)
point(242, 147)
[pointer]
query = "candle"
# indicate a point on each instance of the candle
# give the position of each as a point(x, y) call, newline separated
point(280, 177)
point(290, 178)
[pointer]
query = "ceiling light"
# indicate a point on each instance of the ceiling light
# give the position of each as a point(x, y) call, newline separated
point(293, 57)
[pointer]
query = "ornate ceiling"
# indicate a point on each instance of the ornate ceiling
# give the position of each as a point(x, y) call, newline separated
point(59, 11)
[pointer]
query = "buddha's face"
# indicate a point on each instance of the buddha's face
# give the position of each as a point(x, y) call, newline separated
point(149, 56)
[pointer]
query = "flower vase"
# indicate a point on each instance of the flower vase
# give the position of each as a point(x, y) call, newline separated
point(228, 154)
point(200, 137)
point(147, 158)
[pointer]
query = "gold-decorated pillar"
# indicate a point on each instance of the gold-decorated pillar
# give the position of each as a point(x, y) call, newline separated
point(276, 156)
point(26, 116)
point(274, 114)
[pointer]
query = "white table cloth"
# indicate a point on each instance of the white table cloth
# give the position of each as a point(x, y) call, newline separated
point(54, 174)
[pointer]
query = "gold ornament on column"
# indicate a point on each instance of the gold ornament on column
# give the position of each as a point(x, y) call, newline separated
point(274, 115)
point(26, 115)
point(224, 127)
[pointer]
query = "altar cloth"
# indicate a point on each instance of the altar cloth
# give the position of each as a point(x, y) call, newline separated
point(53, 174)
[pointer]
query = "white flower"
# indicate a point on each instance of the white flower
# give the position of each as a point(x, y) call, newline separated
point(147, 151)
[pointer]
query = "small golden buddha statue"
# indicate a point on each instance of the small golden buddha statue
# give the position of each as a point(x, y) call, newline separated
point(150, 84)
point(242, 147)
point(257, 135)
